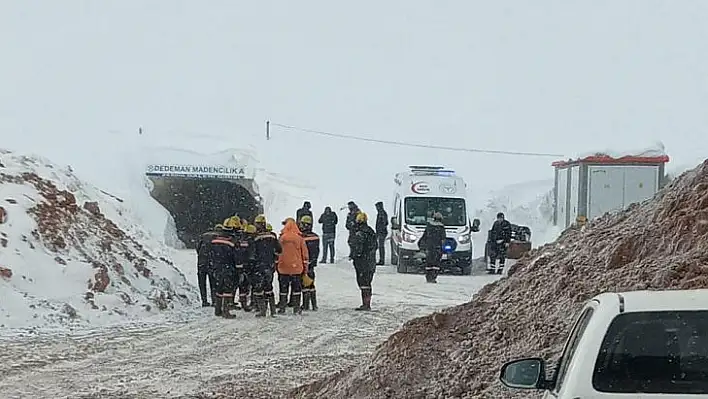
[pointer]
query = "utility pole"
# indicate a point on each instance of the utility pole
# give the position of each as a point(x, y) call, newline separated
point(267, 130)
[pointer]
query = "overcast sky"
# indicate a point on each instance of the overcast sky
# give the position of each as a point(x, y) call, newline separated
point(544, 76)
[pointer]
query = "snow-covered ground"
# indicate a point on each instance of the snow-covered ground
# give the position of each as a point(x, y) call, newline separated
point(181, 358)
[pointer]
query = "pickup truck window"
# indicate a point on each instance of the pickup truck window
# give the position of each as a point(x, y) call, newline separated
point(653, 353)
point(571, 346)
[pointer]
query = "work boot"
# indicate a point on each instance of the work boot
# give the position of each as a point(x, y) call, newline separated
point(271, 304)
point(323, 260)
point(313, 299)
point(262, 306)
point(306, 300)
point(218, 305)
point(283, 303)
point(226, 311)
point(243, 299)
point(296, 304)
point(500, 270)
point(365, 301)
point(291, 302)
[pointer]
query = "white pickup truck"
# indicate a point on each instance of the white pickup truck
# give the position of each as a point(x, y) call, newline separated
point(640, 344)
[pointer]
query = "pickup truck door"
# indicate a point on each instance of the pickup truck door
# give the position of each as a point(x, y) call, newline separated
point(562, 391)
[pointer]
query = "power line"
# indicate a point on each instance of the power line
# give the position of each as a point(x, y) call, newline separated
point(406, 144)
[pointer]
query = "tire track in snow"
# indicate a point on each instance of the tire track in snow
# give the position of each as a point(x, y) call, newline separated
point(245, 354)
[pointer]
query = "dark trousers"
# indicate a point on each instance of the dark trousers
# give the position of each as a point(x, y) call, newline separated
point(498, 252)
point(381, 239)
point(432, 265)
point(292, 283)
point(226, 280)
point(328, 246)
point(202, 273)
point(244, 284)
point(263, 281)
point(364, 274)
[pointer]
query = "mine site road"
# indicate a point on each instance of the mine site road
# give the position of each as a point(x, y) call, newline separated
point(181, 360)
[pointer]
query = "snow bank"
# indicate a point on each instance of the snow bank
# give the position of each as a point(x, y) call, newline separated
point(660, 244)
point(78, 256)
point(526, 203)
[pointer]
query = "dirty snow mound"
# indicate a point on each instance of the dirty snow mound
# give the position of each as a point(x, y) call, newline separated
point(458, 352)
point(69, 256)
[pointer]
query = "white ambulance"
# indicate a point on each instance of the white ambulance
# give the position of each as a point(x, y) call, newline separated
point(420, 192)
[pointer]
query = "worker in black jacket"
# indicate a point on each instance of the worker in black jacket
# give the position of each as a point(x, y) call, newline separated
point(364, 257)
point(500, 238)
point(267, 248)
point(329, 221)
point(306, 210)
point(432, 243)
point(204, 269)
point(312, 241)
point(351, 224)
point(381, 231)
point(225, 260)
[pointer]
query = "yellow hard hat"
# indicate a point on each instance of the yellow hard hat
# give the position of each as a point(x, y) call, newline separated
point(259, 219)
point(218, 226)
point(250, 229)
point(234, 222)
point(361, 217)
point(307, 219)
point(269, 227)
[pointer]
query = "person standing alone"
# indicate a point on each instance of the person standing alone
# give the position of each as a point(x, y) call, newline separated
point(381, 231)
point(329, 221)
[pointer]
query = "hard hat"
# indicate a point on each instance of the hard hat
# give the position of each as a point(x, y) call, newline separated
point(259, 219)
point(218, 226)
point(227, 229)
point(234, 222)
point(438, 216)
point(250, 229)
point(361, 217)
point(307, 219)
point(269, 227)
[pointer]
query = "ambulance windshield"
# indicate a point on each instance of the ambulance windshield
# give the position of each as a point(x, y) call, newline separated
point(419, 210)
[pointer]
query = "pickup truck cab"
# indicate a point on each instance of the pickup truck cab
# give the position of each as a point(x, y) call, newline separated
point(640, 344)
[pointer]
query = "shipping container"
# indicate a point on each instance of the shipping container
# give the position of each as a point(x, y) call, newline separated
point(592, 186)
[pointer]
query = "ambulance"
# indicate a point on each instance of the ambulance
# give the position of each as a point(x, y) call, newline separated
point(419, 193)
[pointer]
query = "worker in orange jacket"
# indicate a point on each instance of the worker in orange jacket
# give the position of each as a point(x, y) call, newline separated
point(292, 264)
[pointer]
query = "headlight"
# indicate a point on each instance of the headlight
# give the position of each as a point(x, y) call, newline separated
point(408, 237)
point(464, 239)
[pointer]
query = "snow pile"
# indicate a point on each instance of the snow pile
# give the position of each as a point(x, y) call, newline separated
point(458, 352)
point(527, 204)
point(75, 256)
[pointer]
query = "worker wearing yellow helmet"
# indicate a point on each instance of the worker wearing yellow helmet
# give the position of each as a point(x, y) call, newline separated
point(267, 249)
point(312, 241)
point(363, 254)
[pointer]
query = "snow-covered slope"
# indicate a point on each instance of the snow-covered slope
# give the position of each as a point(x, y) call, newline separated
point(525, 203)
point(77, 255)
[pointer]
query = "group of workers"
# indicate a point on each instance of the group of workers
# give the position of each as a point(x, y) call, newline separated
point(240, 259)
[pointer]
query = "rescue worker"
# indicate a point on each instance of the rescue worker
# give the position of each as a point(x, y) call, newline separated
point(225, 259)
point(267, 249)
point(233, 227)
point(500, 238)
point(312, 240)
point(306, 210)
point(292, 264)
point(350, 223)
point(329, 221)
point(290, 300)
point(432, 243)
point(204, 269)
point(364, 257)
point(245, 285)
point(381, 231)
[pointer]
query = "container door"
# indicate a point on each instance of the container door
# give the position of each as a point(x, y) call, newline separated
point(605, 190)
point(562, 204)
point(574, 193)
point(640, 183)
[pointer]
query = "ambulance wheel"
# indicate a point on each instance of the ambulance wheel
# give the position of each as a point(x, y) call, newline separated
point(467, 270)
